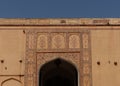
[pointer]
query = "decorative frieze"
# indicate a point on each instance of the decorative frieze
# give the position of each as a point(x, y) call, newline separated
point(55, 41)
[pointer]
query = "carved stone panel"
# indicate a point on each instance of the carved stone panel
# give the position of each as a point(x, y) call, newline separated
point(43, 58)
point(74, 41)
point(30, 60)
point(75, 48)
point(86, 69)
point(58, 40)
point(86, 81)
point(42, 41)
point(86, 56)
point(31, 41)
point(85, 40)
point(87, 61)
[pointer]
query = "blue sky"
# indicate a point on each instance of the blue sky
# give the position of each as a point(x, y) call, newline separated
point(59, 8)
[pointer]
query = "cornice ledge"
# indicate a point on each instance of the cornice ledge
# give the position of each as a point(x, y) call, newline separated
point(59, 21)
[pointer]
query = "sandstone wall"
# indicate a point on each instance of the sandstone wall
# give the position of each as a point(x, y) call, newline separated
point(106, 57)
point(105, 53)
point(12, 55)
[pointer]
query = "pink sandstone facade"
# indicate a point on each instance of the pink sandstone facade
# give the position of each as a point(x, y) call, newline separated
point(91, 46)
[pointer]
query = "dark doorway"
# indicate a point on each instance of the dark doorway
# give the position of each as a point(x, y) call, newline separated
point(58, 72)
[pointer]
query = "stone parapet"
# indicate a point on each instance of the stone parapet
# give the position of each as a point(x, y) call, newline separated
point(60, 21)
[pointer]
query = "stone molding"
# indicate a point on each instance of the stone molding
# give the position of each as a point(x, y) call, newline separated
point(59, 21)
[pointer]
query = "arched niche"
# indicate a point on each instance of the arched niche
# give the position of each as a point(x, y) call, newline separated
point(58, 41)
point(11, 82)
point(74, 41)
point(58, 72)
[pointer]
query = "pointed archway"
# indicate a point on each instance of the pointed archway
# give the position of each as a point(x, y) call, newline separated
point(58, 72)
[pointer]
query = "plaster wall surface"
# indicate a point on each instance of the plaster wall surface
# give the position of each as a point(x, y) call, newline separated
point(12, 51)
point(106, 50)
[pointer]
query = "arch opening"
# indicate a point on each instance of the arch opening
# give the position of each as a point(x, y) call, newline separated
point(58, 72)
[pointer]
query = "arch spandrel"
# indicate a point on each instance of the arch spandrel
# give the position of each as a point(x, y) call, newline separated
point(73, 58)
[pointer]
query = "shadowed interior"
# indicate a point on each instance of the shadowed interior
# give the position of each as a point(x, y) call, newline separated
point(58, 72)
